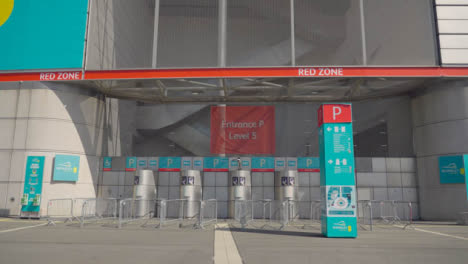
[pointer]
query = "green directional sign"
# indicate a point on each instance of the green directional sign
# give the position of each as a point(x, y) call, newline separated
point(31, 200)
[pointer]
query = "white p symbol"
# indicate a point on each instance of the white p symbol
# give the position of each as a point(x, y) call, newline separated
point(336, 111)
point(169, 162)
point(215, 163)
point(262, 162)
point(130, 162)
point(309, 162)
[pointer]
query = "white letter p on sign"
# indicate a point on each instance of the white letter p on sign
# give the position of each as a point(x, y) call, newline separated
point(336, 112)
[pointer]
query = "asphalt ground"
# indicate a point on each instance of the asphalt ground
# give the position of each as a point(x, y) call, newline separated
point(31, 241)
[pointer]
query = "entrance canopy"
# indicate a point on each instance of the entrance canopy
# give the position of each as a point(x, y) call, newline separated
point(293, 84)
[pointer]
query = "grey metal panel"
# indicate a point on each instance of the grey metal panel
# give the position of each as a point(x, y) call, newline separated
point(395, 194)
point(174, 192)
point(371, 179)
point(315, 179)
point(364, 164)
point(268, 179)
point(209, 193)
point(174, 178)
point(163, 178)
point(303, 179)
point(110, 178)
point(303, 194)
point(142, 163)
point(388, 44)
point(188, 33)
point(222, 209)
point(379, 165)
point(221, 179)
point(257, 179)
point(258, 33)
point(222, 193)
point(408, 164)
point(452, 12)
point(198, 163)
point(393, 164)
point(118, 163)
point(454, 56)
point(453, 41)
point(453, 26)
point(257, 193)
point(314, 193)
point(380, 194)
point(364, 194)
point(209, 178)
point(410, 194)
point(187, 163)
point(451, 2)
point(408, 179)
point(163, 192)
point(394, 179)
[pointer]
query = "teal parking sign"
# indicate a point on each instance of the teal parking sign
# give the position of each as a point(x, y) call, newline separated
point(31, 200)
point(451, 169)
point(170, 163)
point(66, 168)
point(465, 159)
point(107, 164)
point(131, 164)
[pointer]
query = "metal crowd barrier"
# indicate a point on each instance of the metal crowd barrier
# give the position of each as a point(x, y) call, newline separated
point(315, 210)
point(59, 210)
point(243, 211)
point(171, 211)
point(373, 213)
point(131, 210)
point(98, 209)
point(208, 213)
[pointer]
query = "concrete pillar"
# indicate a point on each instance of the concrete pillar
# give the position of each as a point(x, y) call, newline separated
point(46, 119)
point(440, 124)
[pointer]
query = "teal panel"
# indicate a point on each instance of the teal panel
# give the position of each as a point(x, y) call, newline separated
point(451, 169)
point(131, 163)
point(341, 227)
point(45, 34)
point(263, 163)
point(338, 154)
point(308, 163)
point(465, 159)
point(107, 163)
point(216, 163)
point(170, 163)
point(31, 200)
point(66, 168)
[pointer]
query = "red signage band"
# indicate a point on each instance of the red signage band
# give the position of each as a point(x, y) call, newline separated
point(308, 170)
point(237, 73)
point(262, 170)
point(107, 169)
point(130, 169)
point(216, 170)
point(167, 169)
point(242, 130)
point(334, 113)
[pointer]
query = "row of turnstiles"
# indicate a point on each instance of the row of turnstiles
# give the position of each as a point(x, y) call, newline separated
point(239, 187)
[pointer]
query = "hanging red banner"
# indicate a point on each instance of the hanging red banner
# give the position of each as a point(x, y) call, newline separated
point(242, 130)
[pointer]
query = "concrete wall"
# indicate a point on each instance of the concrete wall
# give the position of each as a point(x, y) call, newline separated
point(46, 119)
point(440, 120)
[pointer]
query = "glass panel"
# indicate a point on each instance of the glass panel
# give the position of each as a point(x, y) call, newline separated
point(120, 34)
point(258, 33)
point(328, 32)
point(188, 33)
point(400, 32)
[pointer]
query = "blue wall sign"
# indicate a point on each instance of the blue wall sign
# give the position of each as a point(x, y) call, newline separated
point(308, 164)
point(66, 168)
point(107, 164)
point(131, 164)
point(263, 164)
point(216, 164)
point(451, 169)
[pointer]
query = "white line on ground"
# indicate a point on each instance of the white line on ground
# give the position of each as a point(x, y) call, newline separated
point(21, 228)
point(436, 233)
point(226, 251)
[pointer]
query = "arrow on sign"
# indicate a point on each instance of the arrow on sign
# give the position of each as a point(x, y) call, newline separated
point(330, 161)
point(329, 129)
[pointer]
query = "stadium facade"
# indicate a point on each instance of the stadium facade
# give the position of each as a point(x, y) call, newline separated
point(117, 78)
